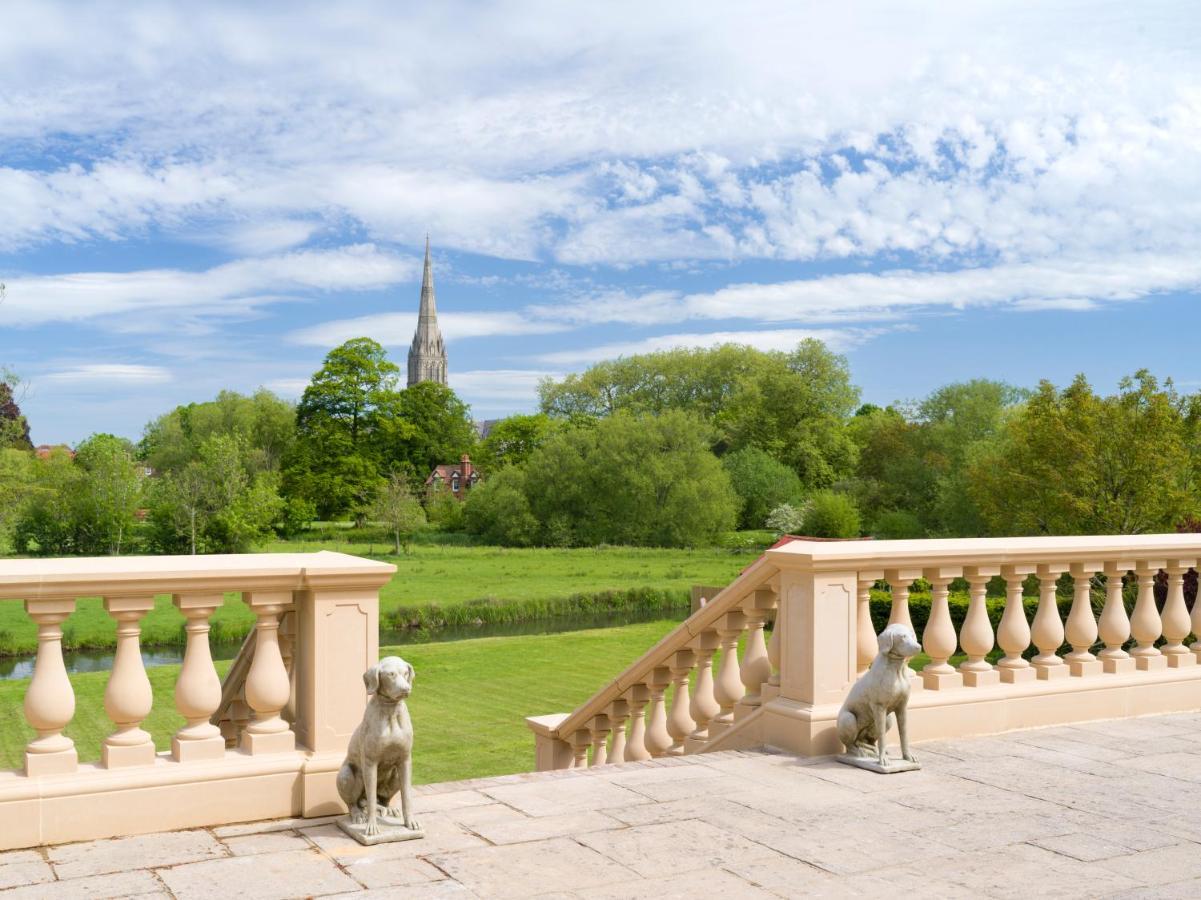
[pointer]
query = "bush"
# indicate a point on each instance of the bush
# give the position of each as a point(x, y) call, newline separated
point(445, 511)
point(831, 515)
point(787, 519)
point(761, 482)
point(898, 525)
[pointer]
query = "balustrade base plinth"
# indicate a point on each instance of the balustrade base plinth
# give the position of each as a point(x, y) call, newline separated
point(272, 742)
point(196, 750)
point(115, 756)
point(981, 678)
point(60, 762)
point(1121, 666)
point(769, 692)
point(941, 681)
point(1017, 676)
point(1151, 663)
point(1180, 660)
point(1085, 668)
point(1050, 673)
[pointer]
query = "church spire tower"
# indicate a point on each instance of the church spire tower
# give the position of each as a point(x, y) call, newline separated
point(427, 355)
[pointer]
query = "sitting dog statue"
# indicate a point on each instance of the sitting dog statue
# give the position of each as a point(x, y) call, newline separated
point(878, 699)
point(379, 759)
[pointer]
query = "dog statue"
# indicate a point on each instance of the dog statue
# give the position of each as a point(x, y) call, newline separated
point(378, 761)
point(875, 701)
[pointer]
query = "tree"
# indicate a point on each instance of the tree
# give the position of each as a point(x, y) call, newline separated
point(511, 441)
point(110, 491)
point(1073, 462)
point(396, 506)
point(17, 482)
point(265, 423)
point(427, 425)
point(761, 482)
point(48, 521)
point(831, 515)
point(346, 393)
point(14, 428)
point(498, 511)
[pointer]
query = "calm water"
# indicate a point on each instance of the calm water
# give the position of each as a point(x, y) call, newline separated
point(15, 667)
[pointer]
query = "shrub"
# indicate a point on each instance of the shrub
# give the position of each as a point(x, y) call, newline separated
point(898, 525)
point(761, 482)
point(787, 519)
point(831, 515)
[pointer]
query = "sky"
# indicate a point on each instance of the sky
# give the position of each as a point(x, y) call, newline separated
point(205, 196)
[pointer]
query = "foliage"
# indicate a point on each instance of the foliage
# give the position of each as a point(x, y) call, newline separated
point(511, 441)
point(831, 515)
point(437, 429)
point(263, 422)
point(762, 484)
point(787, 518)
point(396, 506)
point(445, 510)
point(636, 480)
point(897, 524)
point(792, 405)
point(14, 427)
point(18, 473)
point(1073, 462)
point(111, 490)
point(295, 517)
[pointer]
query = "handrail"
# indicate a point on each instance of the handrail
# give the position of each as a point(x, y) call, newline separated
point(753, 577)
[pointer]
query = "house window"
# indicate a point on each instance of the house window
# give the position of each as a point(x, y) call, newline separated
point(454, 482)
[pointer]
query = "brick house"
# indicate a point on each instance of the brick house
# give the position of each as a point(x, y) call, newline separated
point(458, 479)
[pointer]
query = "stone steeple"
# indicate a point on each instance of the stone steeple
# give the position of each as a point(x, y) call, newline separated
point(427, 355)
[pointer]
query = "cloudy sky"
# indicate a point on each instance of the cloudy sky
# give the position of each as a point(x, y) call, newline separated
point(195, 197)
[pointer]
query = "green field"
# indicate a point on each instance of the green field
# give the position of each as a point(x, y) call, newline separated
point(469, 701)
point(430, 574)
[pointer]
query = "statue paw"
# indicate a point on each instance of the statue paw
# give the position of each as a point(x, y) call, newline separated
point(412, 824)
point(392, 812)
point(909, 757)
point(371, 829)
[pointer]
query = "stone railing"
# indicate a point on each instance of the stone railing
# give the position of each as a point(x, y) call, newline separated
point(269, 745)
point(787, 692)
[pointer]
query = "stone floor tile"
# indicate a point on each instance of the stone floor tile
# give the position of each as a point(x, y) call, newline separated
point(684, 886)
point(9, 857)
point(137, 883)
point(22, 873)
point(265, 876)
point(789, 878)
point(224, 831)
point(381, 872)
point(1181, 766)
point(675, 846)
point(867, 782)
point(709, 784)
point(267, 842)
point(551, 797)
point(526, 870)
point(473, 817)
point(1161, 866)
point(1082, 846)
point(1180, 890)
point(428, 803)
point(433, 890)
point(441, 835)
point(1023, 870)
point(538, 828)
point(676, 810)
point(145, 851)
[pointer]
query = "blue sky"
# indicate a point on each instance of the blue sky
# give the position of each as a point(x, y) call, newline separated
point(195, 199)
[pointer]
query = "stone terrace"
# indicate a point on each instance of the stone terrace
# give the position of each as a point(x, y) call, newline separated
point(1092, 810)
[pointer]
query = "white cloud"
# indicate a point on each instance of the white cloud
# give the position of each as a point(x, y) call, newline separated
point(396, 329)
point(488, 387)
point(100, 376)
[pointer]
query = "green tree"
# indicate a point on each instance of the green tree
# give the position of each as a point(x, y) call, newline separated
point(497, 509)
point(831, 515)
point(14, 427)
point(396, 506)
point(511, 441)
point(427, 425)
point(110, 492)
point(17, 482)
point(48, 521)
point(761, 482)
point(265, 423)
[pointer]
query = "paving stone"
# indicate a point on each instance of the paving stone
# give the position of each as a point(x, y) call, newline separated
point(1023, 870)
point(137, 883)
point(434, 890)
point(686, 886)
point(9, 857)
point(789, 878)
point(1180, 890)
point(428, 803)
point(223, 831)
point(565, 795)
point(680, 846)
point(22, 873)
point(676, 810)
point(537, 828)
point(1162, 866)
point(145, 851)
point(525, 870)
point(1084, 847)
point(267, 842)
point(383, 872)
point(441, 835)
point(264, 876)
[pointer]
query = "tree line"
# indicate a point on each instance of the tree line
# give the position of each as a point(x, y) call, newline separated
point(673, 448)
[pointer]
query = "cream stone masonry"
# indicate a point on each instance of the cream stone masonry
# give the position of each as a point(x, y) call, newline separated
point(318, 617)
point(788, 693)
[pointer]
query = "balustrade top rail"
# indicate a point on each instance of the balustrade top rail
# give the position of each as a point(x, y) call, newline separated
point(32, 579)
point(846, 555)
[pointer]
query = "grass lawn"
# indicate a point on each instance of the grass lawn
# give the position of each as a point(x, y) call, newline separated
point(430, 574)
point(469, 701)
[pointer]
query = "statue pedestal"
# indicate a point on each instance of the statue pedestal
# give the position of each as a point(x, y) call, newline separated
point(892, 767)
point(390, 830)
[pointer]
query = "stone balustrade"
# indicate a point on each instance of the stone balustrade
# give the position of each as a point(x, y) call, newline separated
point(288, 706)
point(734, 689)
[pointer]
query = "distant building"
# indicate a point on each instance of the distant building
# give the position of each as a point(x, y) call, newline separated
point(483, 427)
point(43, 451)
point(427, 355)
point(457, 479)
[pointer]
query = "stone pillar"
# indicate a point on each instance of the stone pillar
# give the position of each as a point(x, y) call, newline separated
point(1146, 625)
point(976, 635)
point(128, 697)
point(1047, 632)
point(49, 699)
point(268, 686)
point(1013, 634)
point(1176, 624)
point(819, 662)
point(198, 690)
point(619, 715)
point(939, 635)
point(680, 724)
point(1082, 624)
point(1115, 624)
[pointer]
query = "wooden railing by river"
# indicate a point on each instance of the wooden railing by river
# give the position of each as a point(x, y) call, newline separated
point(300, 697)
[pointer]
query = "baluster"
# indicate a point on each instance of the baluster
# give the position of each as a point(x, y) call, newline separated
point(268, 687)
point(727, 690)
point(658, 740)
point(619, 714)
point(1013, 635)
point(1176, 623)
point(50, 699)
point(704, 705)
point(865, 632)
point(680, 723)
point(1047, 631)
point(976, 636)
point(636, 745)
point(771, 688)
point(287, 643)
point(900, 580)
point(1145, 624)
point(198, 690)
point(128, 697)
point(1082, 625)
point(579, 748)
point(938, 638)
point(600, 736)
point(756, 668)
point(1115, 624)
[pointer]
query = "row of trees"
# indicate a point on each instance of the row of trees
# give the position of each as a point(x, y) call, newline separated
point(669, 448)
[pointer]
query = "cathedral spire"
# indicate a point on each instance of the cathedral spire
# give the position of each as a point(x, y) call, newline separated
point(427, 355)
